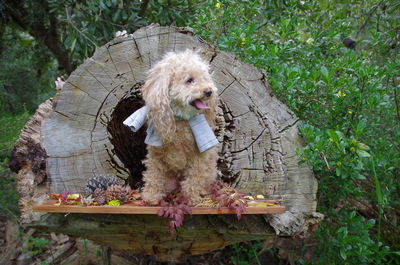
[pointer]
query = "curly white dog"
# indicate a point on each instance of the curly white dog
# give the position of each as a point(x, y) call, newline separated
point(179, 87)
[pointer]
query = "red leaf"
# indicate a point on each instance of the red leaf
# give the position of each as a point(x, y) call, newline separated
point(161, 212)
point(175, 206)
point(55, 196)
point(64, 197)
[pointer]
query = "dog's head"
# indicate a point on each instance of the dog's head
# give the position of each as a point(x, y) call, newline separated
point(179, 86)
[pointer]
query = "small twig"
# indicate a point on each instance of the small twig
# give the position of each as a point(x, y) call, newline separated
point(69, 20)
point(326, 161)
point(262, 25)
point(106, 255)
point(396, 100)
point(368, 18)
point(316, 101)
point(357, 110)
point(12, 215)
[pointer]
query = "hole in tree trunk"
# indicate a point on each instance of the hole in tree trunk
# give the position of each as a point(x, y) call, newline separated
point(131, 149)
point(128, 146)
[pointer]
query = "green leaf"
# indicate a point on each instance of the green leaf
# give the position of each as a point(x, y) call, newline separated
point(362, 153)
point(360, 177)
point(343, 254)
point(73, 44)
point(352, 214)
point(334, 136)
point(325, 72)
point(343, 231)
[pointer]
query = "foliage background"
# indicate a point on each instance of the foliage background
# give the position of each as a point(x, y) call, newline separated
point(336, 64)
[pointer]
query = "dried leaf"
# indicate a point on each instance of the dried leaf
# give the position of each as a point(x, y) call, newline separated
point(113, 203)
point(75, 196)
point(55, 196)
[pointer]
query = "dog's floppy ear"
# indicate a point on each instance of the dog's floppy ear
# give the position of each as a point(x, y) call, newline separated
point(156, 95)
point(212, 112)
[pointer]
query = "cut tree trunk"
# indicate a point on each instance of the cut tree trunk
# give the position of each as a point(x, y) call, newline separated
point(79, 134)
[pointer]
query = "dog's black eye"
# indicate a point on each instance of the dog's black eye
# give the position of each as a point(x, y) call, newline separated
point(190, 80)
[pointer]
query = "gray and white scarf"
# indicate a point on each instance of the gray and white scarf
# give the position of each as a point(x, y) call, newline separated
point(203, 135)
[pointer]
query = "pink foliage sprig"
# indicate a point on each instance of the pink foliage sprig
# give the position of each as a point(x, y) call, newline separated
point(227, 196)
point(64, 197)
point(174, 207)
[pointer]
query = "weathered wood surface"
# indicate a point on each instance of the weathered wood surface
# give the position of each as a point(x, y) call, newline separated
point(52, 207)
point(257, 132)
point(80, 134)
point(149, 234)
point(28, 160)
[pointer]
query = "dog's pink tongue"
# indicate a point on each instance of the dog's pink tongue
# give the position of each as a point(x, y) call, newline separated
point(200, 105)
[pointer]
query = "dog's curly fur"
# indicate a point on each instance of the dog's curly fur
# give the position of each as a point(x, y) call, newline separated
point(174, 83)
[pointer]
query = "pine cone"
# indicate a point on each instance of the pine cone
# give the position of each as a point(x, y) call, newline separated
point(117, 192)
point(100, 182)
point(99, 196)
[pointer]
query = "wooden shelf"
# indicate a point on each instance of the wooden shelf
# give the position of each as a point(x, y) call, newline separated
point(50, 207)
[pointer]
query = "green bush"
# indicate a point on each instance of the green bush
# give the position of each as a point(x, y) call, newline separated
point(9, 133)
point(345, 239)
point(35, 245)
point(25, 81)
point(11, 125)
point(346, 98)
point(246, 252)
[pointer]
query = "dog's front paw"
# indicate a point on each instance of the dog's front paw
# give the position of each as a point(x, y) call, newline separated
point(194, 199)
point(150, 198)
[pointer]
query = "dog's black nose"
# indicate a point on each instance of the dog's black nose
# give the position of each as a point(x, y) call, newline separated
point(207, 93)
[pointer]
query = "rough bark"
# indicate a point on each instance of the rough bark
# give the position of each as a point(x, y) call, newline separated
point(84, 136)
point(28, 160)
point(149, 234)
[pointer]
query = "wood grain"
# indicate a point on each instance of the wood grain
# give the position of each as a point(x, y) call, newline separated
point(257, 132)
point(79, 132)
point(49, 207)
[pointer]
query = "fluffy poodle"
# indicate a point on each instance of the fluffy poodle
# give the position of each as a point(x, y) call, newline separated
point(178, 88)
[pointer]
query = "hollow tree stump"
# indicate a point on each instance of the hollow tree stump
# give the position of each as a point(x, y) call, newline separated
point(82, 134)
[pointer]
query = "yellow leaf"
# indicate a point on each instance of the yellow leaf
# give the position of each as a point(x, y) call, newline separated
point(73, 196)
point(113, 203)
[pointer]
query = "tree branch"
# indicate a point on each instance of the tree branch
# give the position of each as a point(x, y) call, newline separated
point(143, 7)
point(69, 20)
point(34, 21)
point(396, 100)
point(368, 18)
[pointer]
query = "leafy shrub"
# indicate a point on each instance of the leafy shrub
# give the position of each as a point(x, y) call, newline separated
point(9, 133)
point(346, 98)
point(25, 81)
point(89, 24)
point(35, 245)
point(246, 252)
point(9, 195)
point(345, 239)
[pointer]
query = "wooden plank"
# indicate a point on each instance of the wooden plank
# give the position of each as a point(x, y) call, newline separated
point(131, 209)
